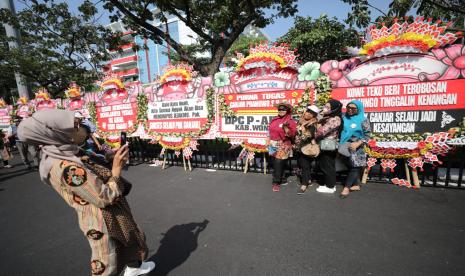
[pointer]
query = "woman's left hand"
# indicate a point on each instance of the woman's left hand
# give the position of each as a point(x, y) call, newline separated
point(355, 145)
point(286, 129)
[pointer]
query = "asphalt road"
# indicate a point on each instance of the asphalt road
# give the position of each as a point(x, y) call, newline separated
point(230, 223)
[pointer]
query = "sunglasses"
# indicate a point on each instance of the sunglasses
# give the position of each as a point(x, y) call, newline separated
point(352, 107)
point(282, 109)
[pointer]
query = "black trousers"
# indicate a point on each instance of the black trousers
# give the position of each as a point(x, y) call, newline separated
point(305, 163)
point(327, 162)
point(279, 165)
point(353, 177)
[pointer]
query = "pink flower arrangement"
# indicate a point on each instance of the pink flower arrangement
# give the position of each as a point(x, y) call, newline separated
point(454, 56)
point(337, 69)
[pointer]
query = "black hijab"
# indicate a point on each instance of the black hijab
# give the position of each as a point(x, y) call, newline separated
point(336, 108)
point(336, 111)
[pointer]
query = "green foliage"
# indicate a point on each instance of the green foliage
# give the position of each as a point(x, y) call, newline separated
point(320, 39)
point(142, 107)
point(7, 77)
point(303, 103)
point(323, 88)
point(360, 15)
point(242, 45)
point(225, 109)
point(446, 10)
point(217, 24)
point(92, 112)
point(57, 47)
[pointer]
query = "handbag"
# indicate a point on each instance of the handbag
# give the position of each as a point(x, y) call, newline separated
point(5, 154)
point(329, 144)
point(344, 149)
point(311, 150)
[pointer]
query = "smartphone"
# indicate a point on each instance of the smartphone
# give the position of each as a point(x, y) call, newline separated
point(123, 138)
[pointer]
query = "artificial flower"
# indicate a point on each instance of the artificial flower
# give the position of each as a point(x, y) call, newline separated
point(222, 79)
point(372, 143)
point(454, 56)
point(254, 147)
point(309, 71)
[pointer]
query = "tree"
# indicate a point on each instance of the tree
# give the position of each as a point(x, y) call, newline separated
point(7, 83)
point(57, 47)
point(241, 45)
point(447, 10)
point(216, 23)
point(320, 39)
point(7, 77)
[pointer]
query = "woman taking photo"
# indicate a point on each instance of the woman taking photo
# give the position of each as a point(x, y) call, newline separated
point(306, 145)
point(282, 131)
point(95, 192)
point(354, 136)
point(327, 134)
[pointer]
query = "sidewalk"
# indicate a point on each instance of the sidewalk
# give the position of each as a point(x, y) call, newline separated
point(231, 223)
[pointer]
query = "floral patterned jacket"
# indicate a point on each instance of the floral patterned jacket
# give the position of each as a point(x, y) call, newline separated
point(329, 129)
point(358, 158)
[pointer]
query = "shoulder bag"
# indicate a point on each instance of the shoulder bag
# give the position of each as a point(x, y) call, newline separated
point(329, 144)
point(311, 150)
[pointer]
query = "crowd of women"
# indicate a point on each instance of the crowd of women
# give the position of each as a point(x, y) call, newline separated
point(320, 137)
point(98, 192)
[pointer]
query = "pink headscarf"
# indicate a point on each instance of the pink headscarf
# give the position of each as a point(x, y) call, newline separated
point(53, 130)
point(276, 130)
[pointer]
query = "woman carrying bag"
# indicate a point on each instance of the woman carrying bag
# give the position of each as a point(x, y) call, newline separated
point(96, 193)
point(306, 145)
point(282, 131)
point(353, 137)
point(327, 135)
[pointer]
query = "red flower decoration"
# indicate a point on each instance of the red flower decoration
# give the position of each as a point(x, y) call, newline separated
point(372, 143)
point(421, 144)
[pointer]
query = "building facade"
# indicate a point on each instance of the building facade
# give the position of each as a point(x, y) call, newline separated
point(145, 64)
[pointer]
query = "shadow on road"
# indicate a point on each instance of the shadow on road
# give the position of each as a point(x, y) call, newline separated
point(12, 174)
point(176, 246)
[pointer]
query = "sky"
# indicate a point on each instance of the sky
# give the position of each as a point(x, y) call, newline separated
point(315, 8)
point(312, 8)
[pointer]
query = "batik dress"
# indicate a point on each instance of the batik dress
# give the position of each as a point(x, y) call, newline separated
point(103, 214)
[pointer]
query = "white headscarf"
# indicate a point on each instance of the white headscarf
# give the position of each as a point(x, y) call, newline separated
point(53, 129)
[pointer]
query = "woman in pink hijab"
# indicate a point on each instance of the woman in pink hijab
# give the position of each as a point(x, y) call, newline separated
point(281, 131)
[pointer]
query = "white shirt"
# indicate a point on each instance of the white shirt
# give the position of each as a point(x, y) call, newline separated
point(12, 130)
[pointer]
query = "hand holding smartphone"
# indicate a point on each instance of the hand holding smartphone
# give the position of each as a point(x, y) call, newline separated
point(123, 138)
point(123, 141)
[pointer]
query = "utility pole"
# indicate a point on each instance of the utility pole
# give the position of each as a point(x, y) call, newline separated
point(12, 32)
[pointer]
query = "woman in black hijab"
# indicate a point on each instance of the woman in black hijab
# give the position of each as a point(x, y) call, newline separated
point(327, 133)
